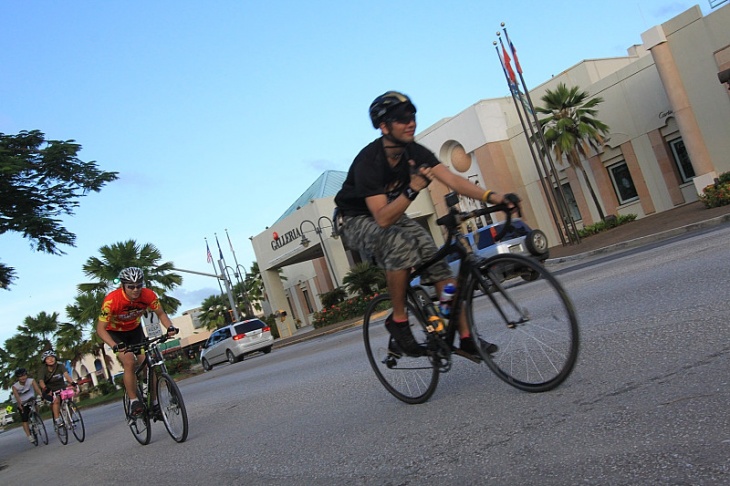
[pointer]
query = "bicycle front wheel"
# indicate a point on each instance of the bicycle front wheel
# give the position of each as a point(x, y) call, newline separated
point(139, 425)
point(61, 429)
point(77, 422)
point(38, 429)
point(412, 380)
point(172, 407)
point(527, 313)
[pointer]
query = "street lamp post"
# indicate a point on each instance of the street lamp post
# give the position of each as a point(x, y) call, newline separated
point(318, 229)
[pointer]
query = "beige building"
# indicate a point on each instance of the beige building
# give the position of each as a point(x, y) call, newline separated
point(669, 117)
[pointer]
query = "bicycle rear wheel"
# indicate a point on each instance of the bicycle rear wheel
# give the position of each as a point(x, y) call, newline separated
point(172, 407)
point(412, 380)
point(77, 422)
point(532, 320)
point(139, 425)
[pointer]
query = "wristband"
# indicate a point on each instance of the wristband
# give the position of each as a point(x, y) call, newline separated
point(485, 197)
point(410, 193)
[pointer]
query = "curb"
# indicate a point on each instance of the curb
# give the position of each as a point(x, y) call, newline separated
point(636, 242)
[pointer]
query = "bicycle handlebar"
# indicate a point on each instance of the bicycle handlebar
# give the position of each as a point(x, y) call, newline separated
point(454, 218)
point(145, 344)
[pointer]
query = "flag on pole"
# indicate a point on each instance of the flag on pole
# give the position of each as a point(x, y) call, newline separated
point(210, 255)
point(219, 246)
point(508, 65)
point(229, 243)
point(514, 54)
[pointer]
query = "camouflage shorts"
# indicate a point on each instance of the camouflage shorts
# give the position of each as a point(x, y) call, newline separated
point(400, 246)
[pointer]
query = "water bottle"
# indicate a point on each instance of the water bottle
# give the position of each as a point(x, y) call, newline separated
point(447, 296)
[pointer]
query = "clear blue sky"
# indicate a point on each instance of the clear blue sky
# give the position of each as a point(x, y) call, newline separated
point(217, 115)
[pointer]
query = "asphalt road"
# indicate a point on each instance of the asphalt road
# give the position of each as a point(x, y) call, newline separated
point(646, 404)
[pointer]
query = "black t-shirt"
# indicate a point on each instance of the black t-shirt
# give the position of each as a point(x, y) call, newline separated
point(371, 174)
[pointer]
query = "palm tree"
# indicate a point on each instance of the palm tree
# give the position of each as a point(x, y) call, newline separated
point(84, 313)
point(571, 129)
point(364, 279)
point(70, 342)
point(43, 325)
point(214, 309)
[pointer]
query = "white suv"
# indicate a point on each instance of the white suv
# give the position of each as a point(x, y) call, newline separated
point(233, 342)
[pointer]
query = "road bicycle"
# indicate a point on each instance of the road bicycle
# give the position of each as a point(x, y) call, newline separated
point(171, 411)
point(531, 319)
point(35, 423)
point(71, 417)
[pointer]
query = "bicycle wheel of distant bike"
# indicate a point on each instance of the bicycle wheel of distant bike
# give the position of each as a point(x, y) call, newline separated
point(410, 379)
point(140, 424)
point(38, 429)
point(172, 408)
point(530, 317)
point(77, 422)
point(61, 431)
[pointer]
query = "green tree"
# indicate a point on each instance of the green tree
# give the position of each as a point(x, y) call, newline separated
point(41, 181)
point(44, 325)
point(84, 313)
point(364, 279)
point(570, 128)
point(214, 309)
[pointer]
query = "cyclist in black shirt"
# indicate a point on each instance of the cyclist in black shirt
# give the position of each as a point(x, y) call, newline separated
point(383, 180)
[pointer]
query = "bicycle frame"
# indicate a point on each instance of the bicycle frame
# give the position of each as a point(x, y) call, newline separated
point(469, 268)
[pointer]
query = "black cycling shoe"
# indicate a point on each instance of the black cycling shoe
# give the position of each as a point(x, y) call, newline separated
point(136, 409)
point(468, 346)
point(156, 413)
point(403, 337)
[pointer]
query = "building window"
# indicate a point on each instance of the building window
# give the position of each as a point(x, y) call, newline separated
point(570, 199)
point(623, 184)
point(681, 158)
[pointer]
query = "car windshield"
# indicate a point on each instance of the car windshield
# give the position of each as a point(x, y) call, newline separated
point(249, 326)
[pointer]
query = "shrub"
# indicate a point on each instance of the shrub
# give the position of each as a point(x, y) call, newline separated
point(718, 194)
point(349, 309)
point(333, 297)
point(105, 388)
point(178, 364)
point(605, 225)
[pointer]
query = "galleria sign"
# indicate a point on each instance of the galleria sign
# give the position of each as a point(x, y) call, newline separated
point(279, 241)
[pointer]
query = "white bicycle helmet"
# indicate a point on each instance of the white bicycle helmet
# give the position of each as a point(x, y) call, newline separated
point(46, 354)
point(131, 275)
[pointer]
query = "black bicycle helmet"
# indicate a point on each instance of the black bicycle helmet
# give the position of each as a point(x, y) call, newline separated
point(131, 275)
point(20, 372)
point(383, 107)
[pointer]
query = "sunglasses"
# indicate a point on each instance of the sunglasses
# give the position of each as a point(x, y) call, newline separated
point(133, 287)
point(404, 118)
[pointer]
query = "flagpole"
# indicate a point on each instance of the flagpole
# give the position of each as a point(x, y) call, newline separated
point(549, 195)
point(240, 277)
point(210, 260)
point(567, 218)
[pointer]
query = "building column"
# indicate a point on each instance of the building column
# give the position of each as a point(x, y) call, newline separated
point(655, 40)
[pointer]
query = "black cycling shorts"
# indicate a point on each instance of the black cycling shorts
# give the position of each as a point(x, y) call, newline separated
point(135, 336)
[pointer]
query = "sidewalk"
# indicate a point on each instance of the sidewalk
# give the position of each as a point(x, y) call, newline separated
point(683, 219)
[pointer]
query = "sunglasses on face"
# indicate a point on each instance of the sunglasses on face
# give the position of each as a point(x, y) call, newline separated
point(404, 118)
point(133, 287)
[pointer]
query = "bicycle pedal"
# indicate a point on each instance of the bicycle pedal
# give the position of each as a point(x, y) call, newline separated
point(471, 357)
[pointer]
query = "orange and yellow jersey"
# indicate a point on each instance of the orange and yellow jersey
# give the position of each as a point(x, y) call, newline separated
point(122, 314)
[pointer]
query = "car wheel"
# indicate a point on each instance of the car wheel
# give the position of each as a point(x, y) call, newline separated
point(231, 358)
point(206, 365)
point(266, 350)
point(536, 242)
point(530, 276)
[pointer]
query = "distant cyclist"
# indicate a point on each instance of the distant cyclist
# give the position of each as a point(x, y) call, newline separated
point(25, 390)
point(52, 378)
point(120, 322)
point(382, 182)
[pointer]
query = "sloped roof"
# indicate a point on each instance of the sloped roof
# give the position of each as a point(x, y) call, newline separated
point(326, 185)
